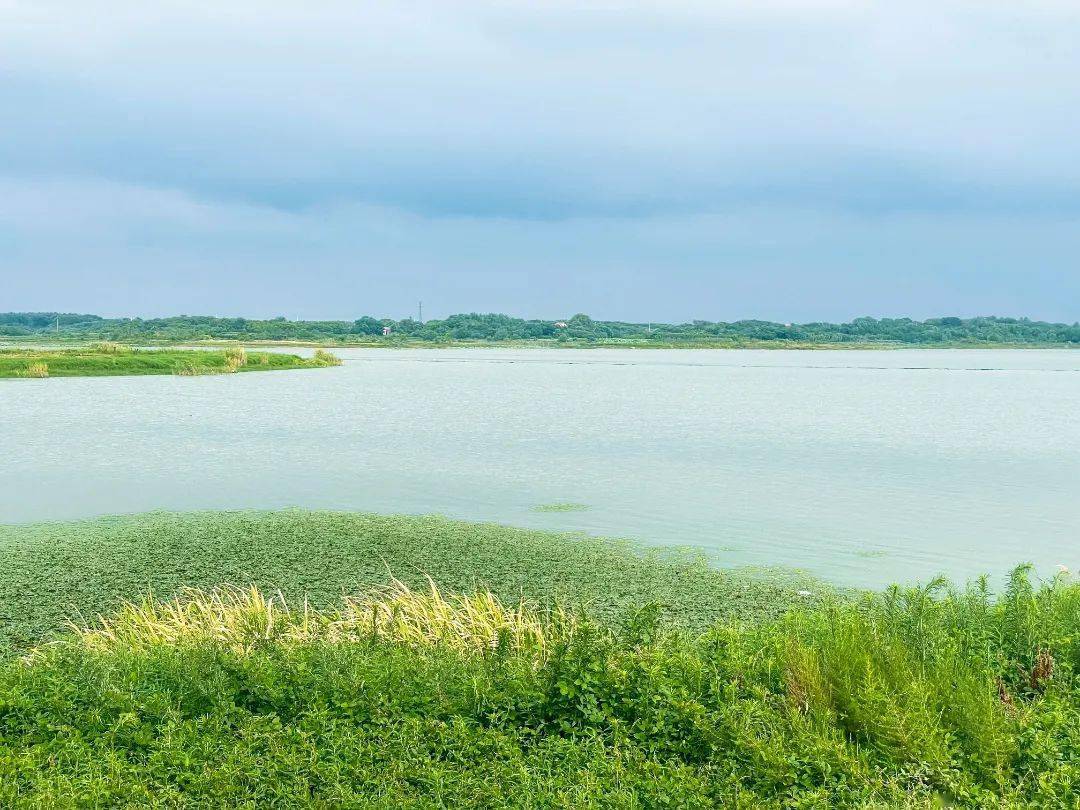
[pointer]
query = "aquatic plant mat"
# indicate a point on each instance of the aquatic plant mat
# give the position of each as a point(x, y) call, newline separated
point(489, 685)
point(54, 570)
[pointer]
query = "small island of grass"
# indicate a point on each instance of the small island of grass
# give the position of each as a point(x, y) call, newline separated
point(111, 359)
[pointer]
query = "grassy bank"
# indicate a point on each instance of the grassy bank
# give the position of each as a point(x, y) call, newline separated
point(507, 330)
point(110, 359)
point(674, 685)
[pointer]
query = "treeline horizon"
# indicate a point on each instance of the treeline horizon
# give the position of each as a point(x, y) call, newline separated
point(580, 328)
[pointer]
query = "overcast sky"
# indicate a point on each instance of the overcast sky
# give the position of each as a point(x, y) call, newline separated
point(785, 159)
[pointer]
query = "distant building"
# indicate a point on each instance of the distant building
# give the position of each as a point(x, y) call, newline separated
point(561, 324)
point(386, 330)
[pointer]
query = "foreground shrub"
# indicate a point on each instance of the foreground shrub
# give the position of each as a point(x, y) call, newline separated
point(916, 697)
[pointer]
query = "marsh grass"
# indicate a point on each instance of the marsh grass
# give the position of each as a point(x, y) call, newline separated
point(106, 359)
point(243, 619)
point(188, 368)
point(235, 359)
point(38, 370)
point(324, 358)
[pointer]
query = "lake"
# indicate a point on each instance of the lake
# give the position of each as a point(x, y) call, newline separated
point(863, 467)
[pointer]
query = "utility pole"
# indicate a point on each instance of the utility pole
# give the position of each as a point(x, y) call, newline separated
point(420, 312)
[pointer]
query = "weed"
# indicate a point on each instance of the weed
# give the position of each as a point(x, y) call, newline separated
point(325, 358)
point(38, 370)
point(235, 359)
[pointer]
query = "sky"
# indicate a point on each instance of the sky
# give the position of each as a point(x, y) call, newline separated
point(793, 160)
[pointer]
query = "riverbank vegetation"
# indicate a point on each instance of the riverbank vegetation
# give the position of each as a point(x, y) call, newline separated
point(108, 359)
point(55, 570)
point(579, 330)
point(651, 682)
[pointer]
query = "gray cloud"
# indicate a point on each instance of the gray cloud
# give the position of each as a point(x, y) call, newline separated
point(852, 157)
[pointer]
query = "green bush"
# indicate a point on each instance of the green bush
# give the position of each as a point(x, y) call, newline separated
point(660, 683)
point(891, 700)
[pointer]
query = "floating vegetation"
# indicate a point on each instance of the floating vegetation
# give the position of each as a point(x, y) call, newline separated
point(561, 507)
point(871, 553)
point(91, 567)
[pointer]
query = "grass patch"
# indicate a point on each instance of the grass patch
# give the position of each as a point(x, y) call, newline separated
point(108, 359)
point(561, 507)
point(36, 369)
point(324, 358)
point(921, 697)
point(243, 618)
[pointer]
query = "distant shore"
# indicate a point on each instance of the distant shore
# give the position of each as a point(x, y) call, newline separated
point(579, 331)
point(405, 343)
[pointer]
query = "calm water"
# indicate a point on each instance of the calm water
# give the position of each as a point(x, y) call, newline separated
point(865, 467)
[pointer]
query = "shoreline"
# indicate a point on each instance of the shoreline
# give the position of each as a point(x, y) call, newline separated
point(768, 345)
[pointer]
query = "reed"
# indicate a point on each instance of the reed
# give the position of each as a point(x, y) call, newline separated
point(39, 370)
point(325, 358)
point(188, 368)
point(235, 359)
point(243, 619)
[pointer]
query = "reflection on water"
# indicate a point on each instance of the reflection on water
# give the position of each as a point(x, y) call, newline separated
point(865, 467)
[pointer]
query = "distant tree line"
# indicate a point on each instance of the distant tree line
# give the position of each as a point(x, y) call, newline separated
point(578, 329)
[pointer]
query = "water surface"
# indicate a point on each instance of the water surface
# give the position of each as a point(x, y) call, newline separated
point(864, 467)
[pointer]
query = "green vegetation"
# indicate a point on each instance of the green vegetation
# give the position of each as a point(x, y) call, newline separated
point(561, 507)
point(105, 359)
point(445, 693)
point(576, 331)
point(55, 570)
